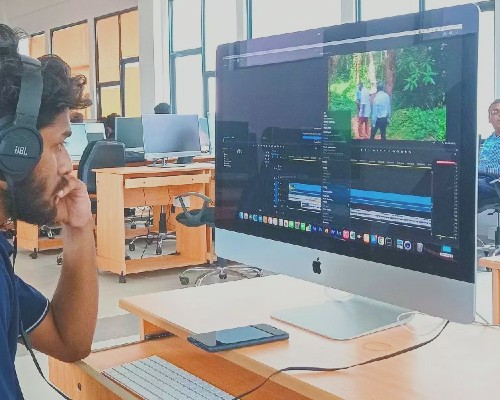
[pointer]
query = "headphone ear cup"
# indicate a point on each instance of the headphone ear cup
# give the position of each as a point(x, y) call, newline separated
point(21, 147)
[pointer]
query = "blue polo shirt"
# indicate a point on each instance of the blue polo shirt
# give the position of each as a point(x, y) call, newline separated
point(489, 157)
point(17, 298)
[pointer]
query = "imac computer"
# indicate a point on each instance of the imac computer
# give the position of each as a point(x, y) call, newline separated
point(347, 157)
point(95, 131)
point(76, 143)
point(171, 135)
point(129, 131)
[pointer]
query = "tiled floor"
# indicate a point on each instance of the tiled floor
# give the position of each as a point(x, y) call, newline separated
point(115, 326)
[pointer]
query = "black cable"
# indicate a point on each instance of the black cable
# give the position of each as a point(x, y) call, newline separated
point(27, 343)
point(24, 336)
point(319, 369)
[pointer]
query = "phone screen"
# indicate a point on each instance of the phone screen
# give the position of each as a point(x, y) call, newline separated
point(229, 336)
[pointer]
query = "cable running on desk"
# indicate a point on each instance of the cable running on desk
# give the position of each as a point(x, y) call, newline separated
point(319, 369)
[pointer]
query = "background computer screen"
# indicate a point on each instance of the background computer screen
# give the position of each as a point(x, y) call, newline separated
point(76, 143)
point(383, 171)
point(204, 134)
point(129, 131)
point(170, 135)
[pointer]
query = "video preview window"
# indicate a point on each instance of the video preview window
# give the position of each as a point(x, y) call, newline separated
point(395, 94)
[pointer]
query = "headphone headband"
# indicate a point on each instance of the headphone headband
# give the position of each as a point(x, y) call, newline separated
point(30, 95)
point(21, 144)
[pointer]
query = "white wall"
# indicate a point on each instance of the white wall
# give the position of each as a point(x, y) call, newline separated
point(3, 19)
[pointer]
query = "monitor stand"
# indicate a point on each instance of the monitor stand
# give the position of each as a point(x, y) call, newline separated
point(344, 320)
point(185, 160)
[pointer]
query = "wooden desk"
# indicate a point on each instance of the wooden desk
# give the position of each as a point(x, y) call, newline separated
point(461, 364)
point(147, 186)
point(494, 264)
point(28, 237)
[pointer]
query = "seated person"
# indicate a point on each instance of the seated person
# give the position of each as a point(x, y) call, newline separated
point(162, 108)
point(489, 161)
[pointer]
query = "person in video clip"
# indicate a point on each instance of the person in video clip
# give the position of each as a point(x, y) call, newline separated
point(364, 111)
point(381, 112)
point(64, 326)
point(489, 160)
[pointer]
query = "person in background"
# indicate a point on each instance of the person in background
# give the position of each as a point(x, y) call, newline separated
point(75, 117)
point(109, 126)
point(63, 327)
point(489, 161)
point(381, 112)
point(162, 108)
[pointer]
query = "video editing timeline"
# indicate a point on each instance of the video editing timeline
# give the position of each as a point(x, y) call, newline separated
point(395, 194)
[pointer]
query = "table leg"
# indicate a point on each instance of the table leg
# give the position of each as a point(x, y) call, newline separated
point(496, 295)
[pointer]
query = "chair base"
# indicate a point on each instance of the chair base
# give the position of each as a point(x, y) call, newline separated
point(222, 271)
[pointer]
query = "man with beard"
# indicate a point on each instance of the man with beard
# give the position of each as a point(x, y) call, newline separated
point(63, 327)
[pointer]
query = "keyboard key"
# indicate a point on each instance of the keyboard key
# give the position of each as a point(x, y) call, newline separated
point(153, 378)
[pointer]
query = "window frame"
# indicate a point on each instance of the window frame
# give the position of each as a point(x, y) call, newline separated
point(173, 55)
point(122, 62)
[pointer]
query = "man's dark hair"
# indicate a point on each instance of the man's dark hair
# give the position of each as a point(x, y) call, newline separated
point(61, 91)
point(162, 108)
point(496, 101)
point(380, 86)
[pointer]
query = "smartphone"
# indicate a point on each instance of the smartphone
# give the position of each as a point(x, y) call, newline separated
point(234, 338)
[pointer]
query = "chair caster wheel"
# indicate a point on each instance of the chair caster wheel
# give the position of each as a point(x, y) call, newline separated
point(222, 276)
point(59, 260)
point(127, 257)
point(147, 224)
point(184, 280)
point(34, 255)
point(149, 241)
point(133, 226)
point(122, 278)
point(131, 246)
point(488, 269)
point(159, 251)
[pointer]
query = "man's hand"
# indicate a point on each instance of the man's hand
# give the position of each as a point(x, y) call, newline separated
point(73, 204)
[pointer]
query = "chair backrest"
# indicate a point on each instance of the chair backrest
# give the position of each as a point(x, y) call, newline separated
point(198, 217)
point(100, 154)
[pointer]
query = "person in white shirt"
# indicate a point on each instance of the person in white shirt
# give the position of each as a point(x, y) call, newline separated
point(381, 112)
point(364, 111)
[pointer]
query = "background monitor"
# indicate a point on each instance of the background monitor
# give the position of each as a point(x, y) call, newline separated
point(76, 143)
point(129, 131)
point(307, 187)
point(95, 131)
point(170, 135)
point(204, 134)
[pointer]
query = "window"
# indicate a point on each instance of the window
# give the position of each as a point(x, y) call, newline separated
point(117, 64)
point(192, 48)
point(272, 17)
point(72, 45)
point(430, 4)
point(371, 9)
point(37, 45)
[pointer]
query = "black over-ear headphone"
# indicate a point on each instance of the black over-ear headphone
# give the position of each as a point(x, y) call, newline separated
point(21, 144)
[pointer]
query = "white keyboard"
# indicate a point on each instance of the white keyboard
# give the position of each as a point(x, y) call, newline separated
point(153, 378)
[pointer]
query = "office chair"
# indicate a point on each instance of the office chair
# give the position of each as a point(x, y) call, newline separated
point(99, 154)
point(151, 236)
point(206, 216)
point(493, 205)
